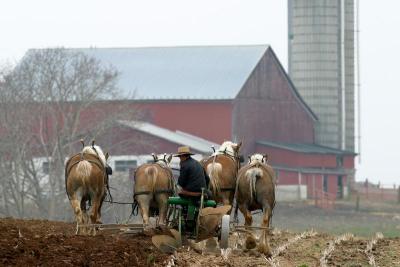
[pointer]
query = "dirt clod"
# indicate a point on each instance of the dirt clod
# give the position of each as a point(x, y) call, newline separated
point(45, 243)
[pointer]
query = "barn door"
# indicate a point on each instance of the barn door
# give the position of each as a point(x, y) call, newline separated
point(339, 192)
point(325, 183)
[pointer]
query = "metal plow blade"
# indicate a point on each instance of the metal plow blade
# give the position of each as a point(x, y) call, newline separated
point(168, 243)
point(210, 221)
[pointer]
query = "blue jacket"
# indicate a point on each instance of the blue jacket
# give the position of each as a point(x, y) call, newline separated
point(192, 176)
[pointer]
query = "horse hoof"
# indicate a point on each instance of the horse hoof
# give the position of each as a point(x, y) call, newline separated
point(162, 228)
point(264, 249)
point(148, 231)
point(250, 242)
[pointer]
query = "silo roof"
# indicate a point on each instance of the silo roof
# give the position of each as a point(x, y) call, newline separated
point(192, 72)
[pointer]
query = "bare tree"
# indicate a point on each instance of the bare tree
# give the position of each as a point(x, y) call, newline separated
point(51, 99)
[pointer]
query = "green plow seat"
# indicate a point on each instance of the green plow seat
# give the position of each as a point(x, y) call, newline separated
point(188, 202)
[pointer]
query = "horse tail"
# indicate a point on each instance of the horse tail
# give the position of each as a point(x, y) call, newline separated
point(214, 169)
point(83, 169)
point(252, 175)
point(151, 173)
point(235, 216)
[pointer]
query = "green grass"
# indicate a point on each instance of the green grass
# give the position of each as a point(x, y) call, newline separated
point(301, 217)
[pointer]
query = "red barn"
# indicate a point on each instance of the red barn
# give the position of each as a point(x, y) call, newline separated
point(235, 93)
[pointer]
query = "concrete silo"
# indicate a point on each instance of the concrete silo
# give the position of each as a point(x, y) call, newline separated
point(321, 65)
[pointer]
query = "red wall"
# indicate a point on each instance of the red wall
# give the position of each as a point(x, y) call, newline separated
point(287, 177)
point(269, 108)
point(126, 141)
point(209, 119)
point(313, 181)
point(348, 162)
point(278, 156)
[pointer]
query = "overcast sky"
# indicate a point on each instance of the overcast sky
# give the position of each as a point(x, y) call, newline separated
point(49, 23)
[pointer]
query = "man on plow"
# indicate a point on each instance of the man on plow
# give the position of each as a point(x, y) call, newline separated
point(192, 176)
point(199, 218)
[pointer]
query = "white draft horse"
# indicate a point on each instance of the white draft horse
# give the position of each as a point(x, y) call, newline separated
point(256, 190)
point(154, 183)
point(86, 181)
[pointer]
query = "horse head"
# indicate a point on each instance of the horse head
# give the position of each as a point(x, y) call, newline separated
point(230, 148)
point(258, 158)
point(162, 159)
point(97, 151)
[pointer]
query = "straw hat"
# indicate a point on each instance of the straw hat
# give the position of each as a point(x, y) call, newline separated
point(183, 150)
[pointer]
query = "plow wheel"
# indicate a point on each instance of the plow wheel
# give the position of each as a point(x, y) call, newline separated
point(223, 242)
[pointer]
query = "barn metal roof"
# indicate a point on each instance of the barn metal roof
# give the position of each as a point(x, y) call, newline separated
point(196, 72)
point(178, 137)
point(306, 148)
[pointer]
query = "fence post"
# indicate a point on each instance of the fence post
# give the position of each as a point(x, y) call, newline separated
point(358, 202)
point(313, 185)
point(315, 198)
point(299, 186)
point(398, 195)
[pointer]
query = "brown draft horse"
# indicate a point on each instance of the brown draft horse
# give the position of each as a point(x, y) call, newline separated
point(222, 168)
point(154, 183)
point(86, 180)
point(256, 190)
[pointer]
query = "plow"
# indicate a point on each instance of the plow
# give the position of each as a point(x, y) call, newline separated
point(191, 218)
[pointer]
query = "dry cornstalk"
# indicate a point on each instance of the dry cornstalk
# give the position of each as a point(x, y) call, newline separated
point(273, 261)
point(370, 246)
point(328, 251)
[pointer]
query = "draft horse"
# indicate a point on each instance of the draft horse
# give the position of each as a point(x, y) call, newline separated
point(154, 183)
point(256, 190)
point(86, 180)
point(222, 168)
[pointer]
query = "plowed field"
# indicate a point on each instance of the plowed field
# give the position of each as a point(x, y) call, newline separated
point(46, 243)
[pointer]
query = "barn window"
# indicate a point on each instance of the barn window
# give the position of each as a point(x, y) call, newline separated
point(125, 165)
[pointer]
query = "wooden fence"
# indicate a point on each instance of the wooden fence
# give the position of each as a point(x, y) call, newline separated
point(324, 199)
point(378, 194)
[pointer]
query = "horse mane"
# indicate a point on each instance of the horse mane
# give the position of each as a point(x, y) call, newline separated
point(257, 158)
point(226, 148)
point(162, 163)
point(162, 160)
point(97, 151)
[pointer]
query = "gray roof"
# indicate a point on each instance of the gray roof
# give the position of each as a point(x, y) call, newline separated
point(306, 148)
point(198, 72)
point(177, 137)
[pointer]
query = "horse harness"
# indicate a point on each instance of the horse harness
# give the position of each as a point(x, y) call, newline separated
point(236, 160)
point(159, 191)
point(263, 167)
point(97, 162)
point(135, 204)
